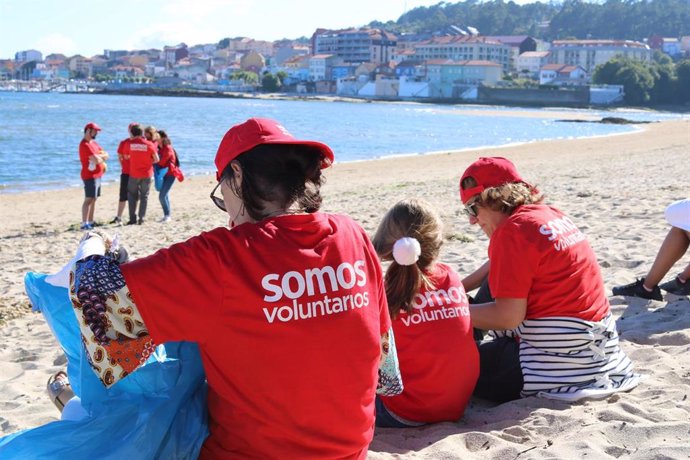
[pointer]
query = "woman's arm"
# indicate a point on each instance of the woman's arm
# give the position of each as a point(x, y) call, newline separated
point(113, 331)
point(390, 381)
point(503, 314)
point(474, 279)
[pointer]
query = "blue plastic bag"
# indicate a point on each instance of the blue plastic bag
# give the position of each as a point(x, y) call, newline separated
point(158, 411)
point(158, 176)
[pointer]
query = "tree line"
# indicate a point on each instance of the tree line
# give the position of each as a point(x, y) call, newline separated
point(659, 83)
point(611, 19)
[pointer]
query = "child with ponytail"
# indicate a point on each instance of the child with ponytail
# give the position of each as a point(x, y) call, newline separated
point(429, 309)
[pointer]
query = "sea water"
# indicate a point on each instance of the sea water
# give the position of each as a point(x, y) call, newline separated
point(40, 132)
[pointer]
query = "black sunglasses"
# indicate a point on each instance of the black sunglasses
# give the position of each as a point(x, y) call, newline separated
point(471, 209)
point(218, 201)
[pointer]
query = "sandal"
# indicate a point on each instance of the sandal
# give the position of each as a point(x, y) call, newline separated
point(59, 389)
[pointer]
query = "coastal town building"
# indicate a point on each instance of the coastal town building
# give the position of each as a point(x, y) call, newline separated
point(562, 75)
point(355, 45)
point(80, 66)
point(530, 63)
point(464, 48)
point(172, 54)
point(685, 45)
point(590, 53)
point(320, 66)
point(28, 55)
point(286, 49)
point(115, 54)
point(450, 78)
point(668, 45)
point(245, 45)
point(253, 61)
point(518, 44)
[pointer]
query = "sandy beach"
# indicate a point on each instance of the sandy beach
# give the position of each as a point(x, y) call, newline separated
point(615, 188)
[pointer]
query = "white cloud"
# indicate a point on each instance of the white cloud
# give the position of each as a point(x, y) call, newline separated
point(56, 43)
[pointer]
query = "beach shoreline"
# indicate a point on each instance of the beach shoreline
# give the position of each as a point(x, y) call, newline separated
point(614, 187)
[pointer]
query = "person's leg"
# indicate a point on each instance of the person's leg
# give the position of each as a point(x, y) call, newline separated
point(680, 284)
point(89, 198)
point(132, 198)
point(86, 209)
point(164, 196)
point(124, 179)
point(672, 249)
point(500, 376)
point(144, 188)
point(97, 193)
point(386, 419)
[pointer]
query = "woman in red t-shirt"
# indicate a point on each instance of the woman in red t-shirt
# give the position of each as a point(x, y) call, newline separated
point(286, 304)
point(438, 357)
point(168, 161)
point(555, 335)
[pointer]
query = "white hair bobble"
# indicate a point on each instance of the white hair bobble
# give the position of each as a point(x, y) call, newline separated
point(406, 251)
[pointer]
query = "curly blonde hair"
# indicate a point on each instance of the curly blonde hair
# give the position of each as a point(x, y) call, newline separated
point(505, 198)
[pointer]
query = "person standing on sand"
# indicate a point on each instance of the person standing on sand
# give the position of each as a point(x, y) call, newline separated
point(142, 155)
point(169, 162)
point(554, 335)
point(92, 158)
point(124, 175)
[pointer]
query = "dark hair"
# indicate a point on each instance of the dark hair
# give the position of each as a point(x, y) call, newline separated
point(278, 173)
point(412, 218)
point(136, 130)
point(165, 140)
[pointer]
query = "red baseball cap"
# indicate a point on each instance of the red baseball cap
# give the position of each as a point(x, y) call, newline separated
point(257, 131)
point(489, 172)
point(92, 125)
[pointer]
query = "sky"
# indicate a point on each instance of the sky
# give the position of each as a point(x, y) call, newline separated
point(88, 27)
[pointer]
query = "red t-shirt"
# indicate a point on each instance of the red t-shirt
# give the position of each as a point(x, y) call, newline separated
point(140, 153)
point(167, 156)
point(539, 254)
point(439, 362)
point(288, 314)
point(86, 150)
point(123, 155)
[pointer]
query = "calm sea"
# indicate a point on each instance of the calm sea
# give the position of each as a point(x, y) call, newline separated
point(40, 132)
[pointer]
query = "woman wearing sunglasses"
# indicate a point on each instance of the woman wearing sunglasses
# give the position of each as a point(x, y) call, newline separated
point(553, 332)
point(287, 306)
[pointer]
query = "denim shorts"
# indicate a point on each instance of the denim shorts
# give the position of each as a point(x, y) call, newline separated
point(387, 419)
point(92, 188)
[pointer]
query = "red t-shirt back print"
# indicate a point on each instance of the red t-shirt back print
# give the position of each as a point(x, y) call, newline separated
point(288, 314)
point(533, 254)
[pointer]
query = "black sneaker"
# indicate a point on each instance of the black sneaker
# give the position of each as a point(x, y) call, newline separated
point(676, 286)
point(116, 220)
point(132, 222)
point(636, 289)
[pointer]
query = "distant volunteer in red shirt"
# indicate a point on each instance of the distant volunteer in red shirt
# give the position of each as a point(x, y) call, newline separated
point(287, 305)
point(439, 363)
point(555, 335)
point(123, 156)
point(142, 155)
point(92, 158)
point(168, 162)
